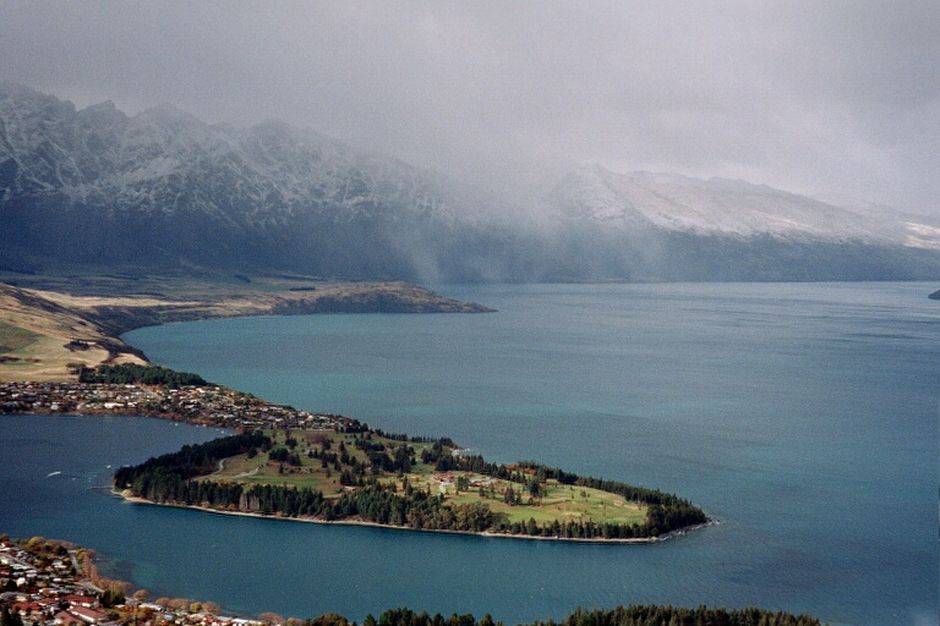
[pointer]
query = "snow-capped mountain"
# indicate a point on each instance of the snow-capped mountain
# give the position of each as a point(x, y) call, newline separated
point(732, 208)
point(162, 189)
point(165, 184)
point(166, 160)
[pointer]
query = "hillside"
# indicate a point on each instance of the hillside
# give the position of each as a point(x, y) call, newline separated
point(41, 339)
point(664, 226)
point(59, 324)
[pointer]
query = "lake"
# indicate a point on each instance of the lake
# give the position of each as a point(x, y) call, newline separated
point(803, 416)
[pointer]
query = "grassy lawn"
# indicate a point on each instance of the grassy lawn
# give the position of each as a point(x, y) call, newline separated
point(558, 502)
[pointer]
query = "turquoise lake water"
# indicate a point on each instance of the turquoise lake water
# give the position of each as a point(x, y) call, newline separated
point(803, 416)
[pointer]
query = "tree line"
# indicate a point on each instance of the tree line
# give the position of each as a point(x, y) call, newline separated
point(193, 460)
point(633, 615)
point(131, 373)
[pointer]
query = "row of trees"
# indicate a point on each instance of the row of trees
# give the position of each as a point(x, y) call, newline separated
point(378, 432)
point(129, 373)
point(633, 615)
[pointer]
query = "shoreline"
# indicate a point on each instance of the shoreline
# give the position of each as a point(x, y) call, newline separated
point(130, 499)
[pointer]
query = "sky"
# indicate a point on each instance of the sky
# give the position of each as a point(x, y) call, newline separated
point(812, 97)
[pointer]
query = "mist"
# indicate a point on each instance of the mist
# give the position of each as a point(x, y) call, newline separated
point(840, 98)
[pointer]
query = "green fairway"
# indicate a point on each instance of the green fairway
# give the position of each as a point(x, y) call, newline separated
point(558, 502)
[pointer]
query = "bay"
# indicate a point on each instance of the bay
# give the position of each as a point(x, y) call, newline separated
point(803, 416)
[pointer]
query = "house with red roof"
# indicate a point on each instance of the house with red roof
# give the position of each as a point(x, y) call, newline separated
point(89, 602)
point(64, 618)
point(90, 616)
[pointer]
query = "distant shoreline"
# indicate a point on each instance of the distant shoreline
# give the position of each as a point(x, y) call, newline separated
point(354, 522)
point(59, 323)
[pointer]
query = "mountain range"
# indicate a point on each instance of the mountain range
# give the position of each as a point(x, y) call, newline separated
point(164, 190)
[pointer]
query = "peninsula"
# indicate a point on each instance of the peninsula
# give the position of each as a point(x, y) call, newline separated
point(356, 475)
point(321, 467)
point(284, 462)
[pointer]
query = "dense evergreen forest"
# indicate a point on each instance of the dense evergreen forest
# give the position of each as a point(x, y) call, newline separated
point(169, 479)
point(128, 373)
point(194, 460)
point(633, 615)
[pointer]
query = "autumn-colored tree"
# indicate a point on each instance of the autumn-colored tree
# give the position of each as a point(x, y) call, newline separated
point(35, 542)
point(329, 619)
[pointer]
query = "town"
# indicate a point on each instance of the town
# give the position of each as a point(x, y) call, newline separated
point(52, 583)
point(208, 405)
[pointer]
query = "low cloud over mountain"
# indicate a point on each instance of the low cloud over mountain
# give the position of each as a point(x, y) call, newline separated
point(162, 189)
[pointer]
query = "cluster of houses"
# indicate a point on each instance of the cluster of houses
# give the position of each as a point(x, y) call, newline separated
point(42, 591)
point(446, 480)
point(209, 405)
point(45, 590)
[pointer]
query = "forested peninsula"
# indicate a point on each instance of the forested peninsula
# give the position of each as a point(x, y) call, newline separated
point(358, 475)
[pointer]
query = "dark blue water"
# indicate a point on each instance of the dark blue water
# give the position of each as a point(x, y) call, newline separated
point(805, 417)
point(55, 475)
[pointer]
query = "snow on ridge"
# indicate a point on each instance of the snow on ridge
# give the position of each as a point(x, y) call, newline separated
point(152, 160)
point(720, 206)
point(922, 236)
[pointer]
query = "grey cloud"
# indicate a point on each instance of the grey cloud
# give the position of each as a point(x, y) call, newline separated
point(808, 96)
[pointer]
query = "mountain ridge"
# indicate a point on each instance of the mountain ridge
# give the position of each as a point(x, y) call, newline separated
point(164, 189)
point(688, 204)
